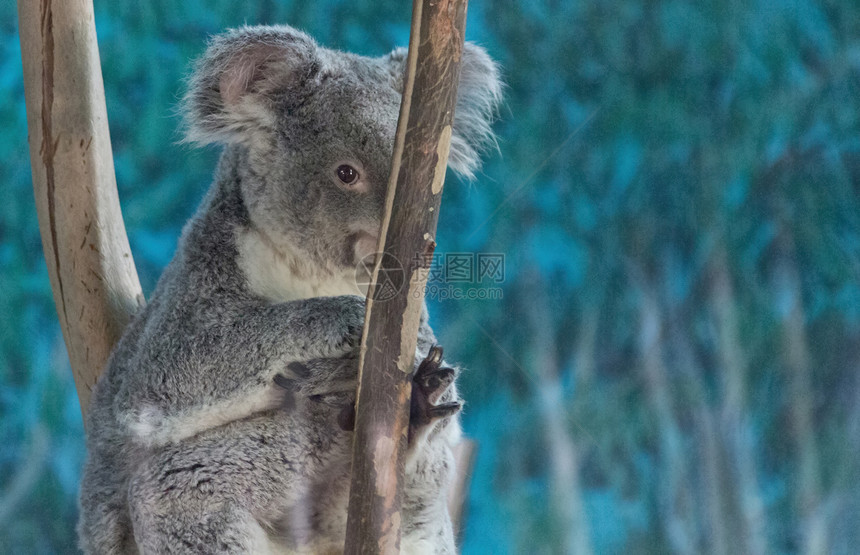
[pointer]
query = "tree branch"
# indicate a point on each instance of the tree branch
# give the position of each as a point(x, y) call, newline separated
point(407, 239)
point(95, 285)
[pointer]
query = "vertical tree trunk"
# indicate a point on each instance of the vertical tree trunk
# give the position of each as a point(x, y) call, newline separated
point(677, 506)
point(565, 490)
point(736, 428)
point(795, 352)
point(93, 278)
point(585, 346)
point(712, 485)
point(394, 303)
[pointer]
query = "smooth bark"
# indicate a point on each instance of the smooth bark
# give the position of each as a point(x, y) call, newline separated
point(93, 278)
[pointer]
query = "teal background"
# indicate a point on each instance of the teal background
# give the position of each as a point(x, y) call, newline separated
point(673, 365)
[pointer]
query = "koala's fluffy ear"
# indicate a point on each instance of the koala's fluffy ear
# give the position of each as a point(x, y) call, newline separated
point(479, 93)
point(231, 89)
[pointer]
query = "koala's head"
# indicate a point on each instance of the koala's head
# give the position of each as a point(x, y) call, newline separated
point(316, 132)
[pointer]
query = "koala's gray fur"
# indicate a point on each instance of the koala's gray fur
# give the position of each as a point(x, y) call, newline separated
point(192, 446)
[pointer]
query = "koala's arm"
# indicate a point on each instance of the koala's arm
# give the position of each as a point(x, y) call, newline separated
point(199, 369)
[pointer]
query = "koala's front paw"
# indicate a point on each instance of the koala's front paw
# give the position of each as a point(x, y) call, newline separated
point(330, 381)
point(346, 326)
point(429, 383)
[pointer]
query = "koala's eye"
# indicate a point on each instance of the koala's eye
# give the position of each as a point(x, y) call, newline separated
point(347, 174)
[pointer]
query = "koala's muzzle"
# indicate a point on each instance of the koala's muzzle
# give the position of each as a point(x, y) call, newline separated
point(359, 245)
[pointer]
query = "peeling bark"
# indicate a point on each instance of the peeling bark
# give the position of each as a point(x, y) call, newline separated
point(407, 238)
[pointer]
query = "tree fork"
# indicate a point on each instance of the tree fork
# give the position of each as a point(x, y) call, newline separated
point(93, 278)
point(407, 238)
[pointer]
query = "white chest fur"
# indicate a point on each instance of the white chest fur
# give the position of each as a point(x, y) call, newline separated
point(280, 274)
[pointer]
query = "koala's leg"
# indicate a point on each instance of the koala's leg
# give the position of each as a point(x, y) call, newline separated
point(433, 431)
point(427, 525)
point(229, 489)
point(430, 466)
point(104, 526)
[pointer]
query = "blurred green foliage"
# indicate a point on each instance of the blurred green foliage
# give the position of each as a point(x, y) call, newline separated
point(673, 364)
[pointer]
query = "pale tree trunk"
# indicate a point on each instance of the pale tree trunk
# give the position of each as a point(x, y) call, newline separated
point(736, 427)
point(841, 504)
point(798, 367)
point(95, 285)
point(585, 346)
point(677, 505)
point(710, 453)
point(407, 238)
point(710, 459)
point(565, 490)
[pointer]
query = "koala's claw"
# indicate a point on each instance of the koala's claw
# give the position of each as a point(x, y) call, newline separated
point(433, 357)
point(346, 418)
point(434, 383)
point(298, 369)
point(288, 397)
point(352, 309)
point(431, 378)
point(347, 344)
point(444, 410)
point(430, 382)
point(353, 337)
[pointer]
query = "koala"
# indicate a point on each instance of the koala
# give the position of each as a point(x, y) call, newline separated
point(222, 423)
